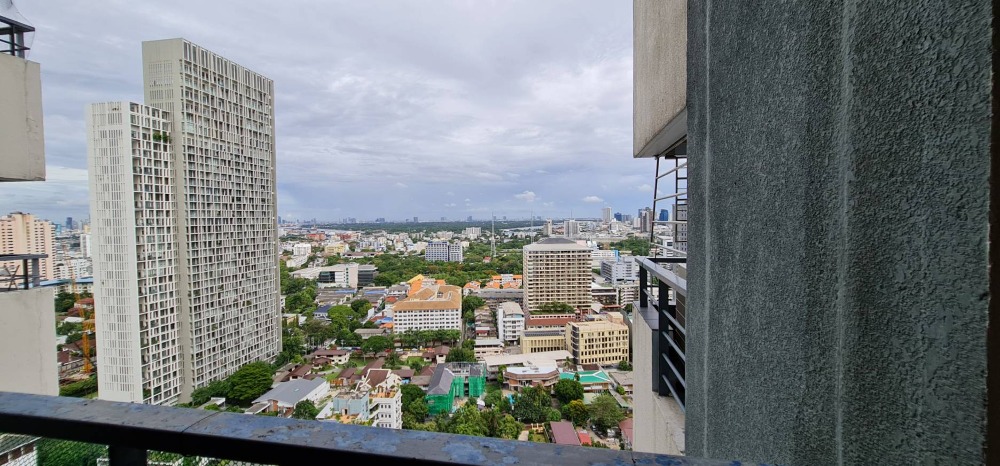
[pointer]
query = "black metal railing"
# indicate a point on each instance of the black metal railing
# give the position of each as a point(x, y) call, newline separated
point(662, 299)
point(12, 36)
point(132, 430)
point(25, 275)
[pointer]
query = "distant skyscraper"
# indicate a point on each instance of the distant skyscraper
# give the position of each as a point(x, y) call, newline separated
point(415, 219)
point(571, 228)
point(618, 216)
point(197, 214)
point(469, 219)
point(69, 223)
point(22, 233)
point(606, 215)
point(664, 215)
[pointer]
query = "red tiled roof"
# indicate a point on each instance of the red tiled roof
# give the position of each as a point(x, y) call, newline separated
point(626, 427)
point(377, 376)
point(584, 437)
point(563, 433)
point(404, 373)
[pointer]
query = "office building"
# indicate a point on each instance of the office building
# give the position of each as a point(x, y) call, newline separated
point(510, 322)
point(22, 233)
point(443, 251)
point(367, 274)
point(601, 342)
point(542, 341)
point(664, 215)
point(606, 215)
point(556, 270)
point(433, 307)
point(547, 228)
point(196, 258)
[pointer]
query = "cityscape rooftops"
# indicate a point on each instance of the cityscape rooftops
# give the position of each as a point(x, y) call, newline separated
point(432, 298)
point(556, 244)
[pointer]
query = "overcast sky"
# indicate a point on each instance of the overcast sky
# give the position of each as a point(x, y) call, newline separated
point(383, 108)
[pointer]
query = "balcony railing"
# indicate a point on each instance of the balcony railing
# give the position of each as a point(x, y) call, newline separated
point(662, 298)
point(25, 275)
point(131, 431)
point(12, 36)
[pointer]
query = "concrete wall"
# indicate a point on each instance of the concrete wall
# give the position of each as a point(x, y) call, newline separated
point(659, 57)
point(28, 342)
point(839, 158)
point(21, 136)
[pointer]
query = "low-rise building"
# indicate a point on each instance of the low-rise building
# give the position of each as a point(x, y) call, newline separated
point(563, 433)
point(376, 401)
point(323, 357)
point(510, 321)
point(432, 307)
point(493, 296)
point(283, 397)
point(487, 347)
point(592, 381)
point(624, 379)
point(517, 378)
point(551, 358)
point(597, 342)
point(542, 341)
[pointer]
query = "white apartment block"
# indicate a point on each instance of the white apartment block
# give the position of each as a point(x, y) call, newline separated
point(134, 228)
point(598, 256)
point(510, 322)
point(622, 269)
point(431, 308)
point(220, 195)
point(556, 270)
point(571, 228)
point(443, 251)
point(301, 249)
point(473, 232)
point(385, 399)
point(22, 233)
point(85, 244)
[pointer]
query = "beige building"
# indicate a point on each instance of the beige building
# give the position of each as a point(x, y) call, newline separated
point(597, 342)
point(22, 233)
point(556, 270)
point(430, 308)
point(542, 341)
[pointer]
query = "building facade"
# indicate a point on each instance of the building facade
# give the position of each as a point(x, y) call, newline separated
point(215, 202)
point(22, 233)
point(621, 269)
point(435, 307)
point(597, 342)
point(510, 321)
point(556, 270)
point(135, 253)
point(443, 251)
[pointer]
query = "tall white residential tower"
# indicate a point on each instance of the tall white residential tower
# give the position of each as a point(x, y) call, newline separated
point(222, 186)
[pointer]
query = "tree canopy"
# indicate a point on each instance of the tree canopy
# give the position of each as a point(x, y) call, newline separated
point(376, 344)
point(555, 307)
point(305, 409)
point(624, 365)
point(605, 412)
point(249, 382)
point(461, 355)
point(576, 412)
point(568, 390)
point(532, 404)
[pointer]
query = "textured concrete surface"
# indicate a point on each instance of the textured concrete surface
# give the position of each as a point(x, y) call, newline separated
point(22, 138)
point(28, 342)
point(660, 68)
point(838, 288)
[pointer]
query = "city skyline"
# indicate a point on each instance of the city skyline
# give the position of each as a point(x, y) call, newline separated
point(538, 108)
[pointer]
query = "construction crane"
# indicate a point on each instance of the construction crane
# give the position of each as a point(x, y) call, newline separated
point(88, 322)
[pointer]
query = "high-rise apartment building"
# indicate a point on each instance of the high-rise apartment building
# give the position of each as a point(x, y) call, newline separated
point(205, 181)
point(571, 228)
point(606, 215)
point(22, 233)
point(556, 270)
point(597, 342)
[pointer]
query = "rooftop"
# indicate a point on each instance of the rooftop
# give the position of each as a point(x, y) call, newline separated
point(432, 298)
point(290, 392)
point(556, 244)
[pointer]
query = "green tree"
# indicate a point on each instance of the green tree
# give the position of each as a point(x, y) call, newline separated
point(576, 412)
point(532, 405)
point(624, 365)
point(376, 344)
point(361, 307)
point(471, 303)
point(461, 355)
point(64, 301)
point(249, 382)
point(605, 412)
point(568, 390)
point(596, 444)
point(468, 421)
point(493, 399)
point(410, 393)
point(620, 389)
point(555, 307)
point(305, 409)
point(216, 388)
point(79, 389)
point(553, 415)
point(509, 428)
